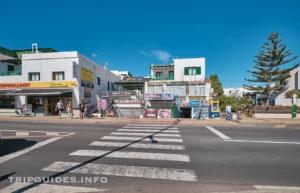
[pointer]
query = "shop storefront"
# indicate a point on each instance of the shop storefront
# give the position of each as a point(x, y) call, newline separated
point(41, 96)
point(122, 104)
point(160, 106)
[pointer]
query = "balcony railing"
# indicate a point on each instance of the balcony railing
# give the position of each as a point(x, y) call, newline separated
point(162, 78)
point(11, 73)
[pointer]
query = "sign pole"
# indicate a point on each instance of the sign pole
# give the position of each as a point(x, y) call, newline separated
point(294, 109)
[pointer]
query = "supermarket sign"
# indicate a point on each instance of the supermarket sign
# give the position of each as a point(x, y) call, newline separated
point(56, 84)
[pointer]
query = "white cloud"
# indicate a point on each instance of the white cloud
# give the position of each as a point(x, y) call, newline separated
point(144, 53)
point(162, 55)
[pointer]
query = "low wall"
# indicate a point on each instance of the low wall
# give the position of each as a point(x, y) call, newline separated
point(274, 114)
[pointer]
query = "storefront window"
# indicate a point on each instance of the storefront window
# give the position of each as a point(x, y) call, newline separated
point(7, 102)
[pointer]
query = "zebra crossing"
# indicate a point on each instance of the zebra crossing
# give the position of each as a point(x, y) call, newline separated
point(133, 142)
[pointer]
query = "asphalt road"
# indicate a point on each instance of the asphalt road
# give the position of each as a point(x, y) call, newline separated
point(147, 158)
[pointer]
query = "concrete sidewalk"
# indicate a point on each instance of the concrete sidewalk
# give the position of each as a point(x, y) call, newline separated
point(93, 120)
point(254, 121)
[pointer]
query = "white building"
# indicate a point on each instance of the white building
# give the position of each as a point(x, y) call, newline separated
point(123, 74)
point(292, 83)
point(41, 79)
point(236, 91)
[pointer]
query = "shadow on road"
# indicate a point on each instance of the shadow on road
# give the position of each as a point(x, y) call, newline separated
point(52, 177)
point(5, 177)
point(13, 145)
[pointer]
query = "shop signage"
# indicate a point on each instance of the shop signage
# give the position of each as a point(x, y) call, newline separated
point(87, 78)
point(195, 103)
point(27, 109)
point(165, 96)
point(127, 101)
point(121, 93)
point(134, 79)
point(56, 84)
point(164, 113)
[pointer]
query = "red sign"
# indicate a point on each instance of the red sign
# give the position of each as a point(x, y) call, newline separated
point(15, 85)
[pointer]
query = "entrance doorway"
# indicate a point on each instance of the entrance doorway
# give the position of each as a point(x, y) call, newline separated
point(186, 112)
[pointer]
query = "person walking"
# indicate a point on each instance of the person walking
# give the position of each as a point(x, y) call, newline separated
point(69, 110)
point(228, 112)
point(81, 109)
point(59, 108)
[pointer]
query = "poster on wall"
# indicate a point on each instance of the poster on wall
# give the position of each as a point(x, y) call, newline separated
point(27, 109)
point(164, 113)
point(87, 78)
point(195, 112)
point(104, 103)
point(150, 113)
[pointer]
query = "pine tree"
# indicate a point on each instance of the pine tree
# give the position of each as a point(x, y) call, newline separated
point(216, 84)
point(267, 63)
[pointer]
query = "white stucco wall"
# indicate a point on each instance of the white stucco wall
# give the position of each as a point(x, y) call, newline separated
point(180, 64)
point(293, 83)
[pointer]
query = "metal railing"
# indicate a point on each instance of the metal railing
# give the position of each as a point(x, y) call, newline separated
point(162, 78)
point(11, 73)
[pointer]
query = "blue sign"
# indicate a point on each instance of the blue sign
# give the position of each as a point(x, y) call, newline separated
point(195, 103)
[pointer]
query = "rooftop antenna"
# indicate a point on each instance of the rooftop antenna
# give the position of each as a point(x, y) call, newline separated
point(35, 48)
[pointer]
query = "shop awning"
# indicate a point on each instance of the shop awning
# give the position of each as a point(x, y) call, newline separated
point(3, 92)
point(38, 92)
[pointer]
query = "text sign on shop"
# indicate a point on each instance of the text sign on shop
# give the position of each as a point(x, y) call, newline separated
point(56, 84)
point(87, 78)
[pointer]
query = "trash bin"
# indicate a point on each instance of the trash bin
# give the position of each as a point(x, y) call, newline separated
point(233, 116)
point(239, 115)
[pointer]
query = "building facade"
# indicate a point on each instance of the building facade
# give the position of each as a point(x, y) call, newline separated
point(40, 79)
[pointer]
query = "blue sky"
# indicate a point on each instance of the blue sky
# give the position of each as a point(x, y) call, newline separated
point(133, 34)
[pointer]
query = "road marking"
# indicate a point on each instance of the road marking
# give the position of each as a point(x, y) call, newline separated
point(52, 133)
point(218, 133)
point(35, 131)
point(21, 133)
point(138, 145)
point(280, 126)
point(49, 188)
point(134, 155)
point(146, 139)
point(277, 188)
point(146, 134)
point(149, 130)
point(145, 127)
point(18, 153)
point(125, 171)
point(149, 125)
point(279, 142)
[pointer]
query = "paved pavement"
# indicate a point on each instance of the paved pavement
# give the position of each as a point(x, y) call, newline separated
point(148, 158)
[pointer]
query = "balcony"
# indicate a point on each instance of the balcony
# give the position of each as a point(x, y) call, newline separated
point(11, 73)
point(161, 78)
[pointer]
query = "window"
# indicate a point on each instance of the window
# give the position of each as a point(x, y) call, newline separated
point(112, 86)
point(58, 75)
point(10, 68)
point(171, 74)
point(34, 76)
point(98, 80)
point(192, 70)
point(159, 74)
point(107, 86)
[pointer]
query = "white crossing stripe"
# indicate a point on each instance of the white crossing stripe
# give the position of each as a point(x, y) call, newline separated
point(218, 133)
point(125, 171)
point(18, 153)
point(149, 130)
point(138, 145)
point(49, 188)
point(147, 134)
point(134, 155)
point(52, 133)
point(22, 133)
point(146, 139)
point(130, 127)
point(277, 188)
point(149, 125)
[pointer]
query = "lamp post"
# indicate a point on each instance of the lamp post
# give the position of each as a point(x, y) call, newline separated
point(294, 109)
